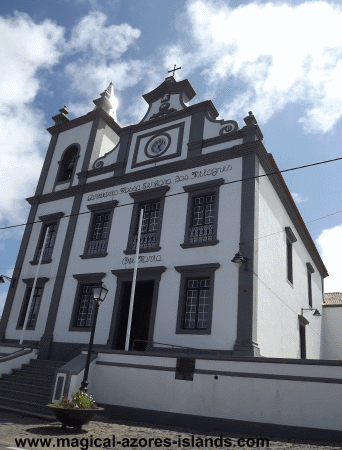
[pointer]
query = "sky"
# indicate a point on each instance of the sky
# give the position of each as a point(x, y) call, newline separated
point(280, 59)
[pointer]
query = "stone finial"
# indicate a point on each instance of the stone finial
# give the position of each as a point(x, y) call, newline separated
point(107, 101)
point(250, 119)
point(62, 117)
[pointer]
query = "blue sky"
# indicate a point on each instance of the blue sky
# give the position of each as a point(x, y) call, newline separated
point(281, 59)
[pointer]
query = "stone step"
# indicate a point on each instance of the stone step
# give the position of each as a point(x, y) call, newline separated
point(41, 398)
point(22, 387)
point(23, 409)
point(33, 374)
point(45, 363)
point(23, 378)
point(37, 368)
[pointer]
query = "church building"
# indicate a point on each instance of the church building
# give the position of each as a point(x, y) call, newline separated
point(203, 187)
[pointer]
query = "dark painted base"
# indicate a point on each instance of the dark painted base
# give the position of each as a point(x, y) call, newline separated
point(225, 427)
point(242, 348)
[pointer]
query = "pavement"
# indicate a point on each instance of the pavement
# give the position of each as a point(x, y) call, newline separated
point(106, 433)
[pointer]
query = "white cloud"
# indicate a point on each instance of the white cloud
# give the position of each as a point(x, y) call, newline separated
point(330, 245)
point(279, 54)
point(27, 48)
point(298, 197)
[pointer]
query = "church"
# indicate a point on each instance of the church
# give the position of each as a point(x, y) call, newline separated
point(228, 274)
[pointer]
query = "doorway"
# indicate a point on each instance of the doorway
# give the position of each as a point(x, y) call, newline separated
point(140, 318)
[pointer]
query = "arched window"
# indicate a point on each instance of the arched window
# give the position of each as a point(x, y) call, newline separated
point(67, 164)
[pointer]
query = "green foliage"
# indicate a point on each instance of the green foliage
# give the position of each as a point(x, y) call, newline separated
point(79, 400)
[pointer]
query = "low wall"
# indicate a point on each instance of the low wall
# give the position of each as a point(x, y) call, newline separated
point(15, 359)
point(281, 392)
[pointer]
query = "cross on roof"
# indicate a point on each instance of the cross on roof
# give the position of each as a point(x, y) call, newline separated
point(173, 70)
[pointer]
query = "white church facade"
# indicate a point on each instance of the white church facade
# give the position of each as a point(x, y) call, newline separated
point(208, 189)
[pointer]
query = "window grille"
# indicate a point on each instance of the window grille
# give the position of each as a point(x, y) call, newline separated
point(203, 213)
point(197, 303)
point(50, 241)
point(86, 306)
point(99, 236)
point(34, 307)
point(149, 227)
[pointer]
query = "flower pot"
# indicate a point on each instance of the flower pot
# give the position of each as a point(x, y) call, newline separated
point(74, 417)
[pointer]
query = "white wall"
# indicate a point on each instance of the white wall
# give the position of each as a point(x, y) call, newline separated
point(331, 347)
point(295, 401)
point(279, 303)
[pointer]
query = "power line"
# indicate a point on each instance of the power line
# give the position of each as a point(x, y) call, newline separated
point(182, 193)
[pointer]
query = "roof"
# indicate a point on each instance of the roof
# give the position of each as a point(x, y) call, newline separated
point(333, 298)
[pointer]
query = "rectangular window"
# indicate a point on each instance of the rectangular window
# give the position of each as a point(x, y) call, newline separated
point(149, 227)
point(302, 341)
point(289, 261)
point(36, 299)
point(98, 238)
point(86, 306)
point(309, 289)
point(49, 243)
point(203, 215)
point(197, 304)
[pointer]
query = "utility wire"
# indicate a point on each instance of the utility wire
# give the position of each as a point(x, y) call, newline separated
point(182, 193)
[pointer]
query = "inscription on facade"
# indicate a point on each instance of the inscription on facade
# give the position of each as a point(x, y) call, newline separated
point(142, 259)
point(157, 183)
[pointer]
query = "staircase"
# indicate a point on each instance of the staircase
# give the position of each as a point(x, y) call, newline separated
point(28, 390)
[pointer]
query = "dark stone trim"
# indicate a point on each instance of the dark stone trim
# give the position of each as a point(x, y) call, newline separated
point(332, 306)
point(40, 281)
point(82, 279)
point(91, 143)
point(142, 250)
point(310, 268)
point(47, 338)
point(46, 164)
point(136, 366)
point(199, 244)
point(115, 167)
point(102, 205)
point(44, 261)
point(98, 255)
point(246, 334)
point(154, 134)
point(96, 208)
point(70, 181)
point(210, 425)
point(50, 217)
point(173, 87)
point(205, 185)
point(222, 138)
point(29, 284)
point(195, 270)
point(303, 320)
point(126, 275)
point(149, 194)
point(89, 276)
point(89, 117)
point(196, 134)
point(290, 235)
point(194, 190)
point(200, 353)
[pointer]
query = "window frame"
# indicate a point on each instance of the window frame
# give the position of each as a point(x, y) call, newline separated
point(290, 239)
point(188, 272)
point(83, 279)
point(24, 304)
point(96, 209)
point(211, 187)
point(310, 271)
point(148, 195)
point(47, 221)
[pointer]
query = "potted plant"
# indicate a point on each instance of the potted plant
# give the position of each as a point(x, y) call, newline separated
point(77, 412)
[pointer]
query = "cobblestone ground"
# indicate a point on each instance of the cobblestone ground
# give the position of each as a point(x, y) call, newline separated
point(13, 426)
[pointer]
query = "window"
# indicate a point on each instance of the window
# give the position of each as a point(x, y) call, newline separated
point(152, 202)
point(197, 303)
point(290, 239)
point(67, 164)
point(202, 214)
point(99, 228)
point(195, 298)
point(50, 224)
point(302, 341)
point(84, 305)
point(310, 270)
point(35, 304)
